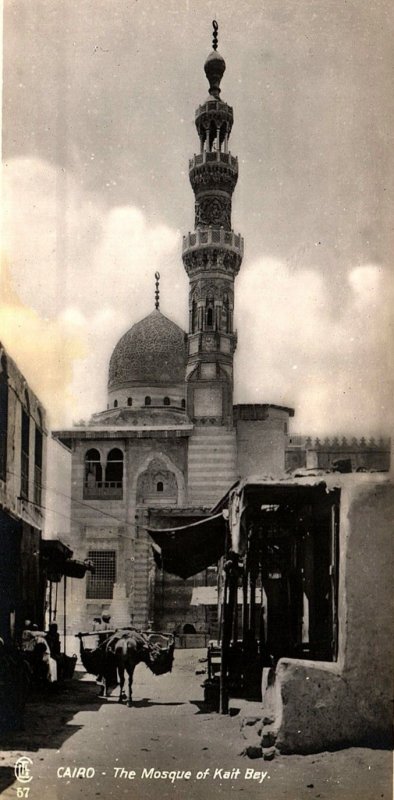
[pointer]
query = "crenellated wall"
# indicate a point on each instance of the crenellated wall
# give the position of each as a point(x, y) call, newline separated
point(303, 451)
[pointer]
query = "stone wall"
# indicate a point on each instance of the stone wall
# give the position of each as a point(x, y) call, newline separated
point(261, 442)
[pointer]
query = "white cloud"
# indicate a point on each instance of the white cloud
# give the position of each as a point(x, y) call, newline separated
point(340, 346)
point(84, 274)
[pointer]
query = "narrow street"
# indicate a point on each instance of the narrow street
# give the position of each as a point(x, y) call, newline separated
point(168, 729)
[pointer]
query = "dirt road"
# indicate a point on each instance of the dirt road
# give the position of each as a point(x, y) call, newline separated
point(168, 746)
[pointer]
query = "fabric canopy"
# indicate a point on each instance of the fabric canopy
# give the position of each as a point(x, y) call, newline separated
point(189, 549)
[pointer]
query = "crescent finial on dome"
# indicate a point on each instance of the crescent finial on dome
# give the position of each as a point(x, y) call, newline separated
point(215, 34)
point(157, 290)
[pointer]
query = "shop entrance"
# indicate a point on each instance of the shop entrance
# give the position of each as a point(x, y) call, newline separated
point(280, 581)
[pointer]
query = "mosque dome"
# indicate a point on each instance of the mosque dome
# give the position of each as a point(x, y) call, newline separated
point(152, 351)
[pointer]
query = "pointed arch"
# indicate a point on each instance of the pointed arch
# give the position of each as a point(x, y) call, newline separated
point(114, 468)
point(169, 466)
point(93, 468)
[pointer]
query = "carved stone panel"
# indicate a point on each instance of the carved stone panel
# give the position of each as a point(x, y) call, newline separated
point(156, 482)
point(213, 211)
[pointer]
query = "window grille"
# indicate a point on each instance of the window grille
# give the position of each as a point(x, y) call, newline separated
point(100, 585)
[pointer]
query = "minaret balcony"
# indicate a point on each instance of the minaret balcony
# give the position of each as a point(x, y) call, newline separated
point(214, 157)
point(217, 237)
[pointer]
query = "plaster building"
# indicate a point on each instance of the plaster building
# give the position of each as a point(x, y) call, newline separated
point(23, 437)
point(171, 438)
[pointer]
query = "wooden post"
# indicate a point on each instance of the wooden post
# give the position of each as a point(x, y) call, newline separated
point(231, 586)
point(223, 699)
point(50, 602)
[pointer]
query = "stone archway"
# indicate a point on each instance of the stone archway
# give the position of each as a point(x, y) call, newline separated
point(157, 482)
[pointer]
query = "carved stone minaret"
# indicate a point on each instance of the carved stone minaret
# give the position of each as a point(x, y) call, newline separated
point(212, 256)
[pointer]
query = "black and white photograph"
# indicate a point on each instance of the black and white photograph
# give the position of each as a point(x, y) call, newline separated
point(196, 400)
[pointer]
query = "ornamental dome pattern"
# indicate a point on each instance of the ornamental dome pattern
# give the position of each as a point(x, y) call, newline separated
point(152, 351)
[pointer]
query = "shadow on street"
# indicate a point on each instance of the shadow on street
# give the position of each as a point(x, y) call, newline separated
point(47, 715)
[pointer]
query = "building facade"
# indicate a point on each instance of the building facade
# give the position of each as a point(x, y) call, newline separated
point(171, 437)
point(22, 466)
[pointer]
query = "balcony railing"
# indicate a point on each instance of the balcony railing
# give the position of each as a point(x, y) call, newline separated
point(217, 156)
point(213, 236)
point(214, 105)
point(103, 490)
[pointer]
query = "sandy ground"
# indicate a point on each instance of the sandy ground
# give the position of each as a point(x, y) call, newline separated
point(168, 729)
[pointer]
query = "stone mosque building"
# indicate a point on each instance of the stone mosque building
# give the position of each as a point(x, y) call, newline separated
point(171, 438)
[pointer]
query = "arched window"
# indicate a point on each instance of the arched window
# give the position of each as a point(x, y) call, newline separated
point(148, 400)
point(212, 136)
point(115, 403)
point(25, 447)
point(183, 403)
point(93, 469)
point(209, 309)
point(3, 418)
point(129, 401)
point(166, 401)
point(160, 486)
point(114, 469)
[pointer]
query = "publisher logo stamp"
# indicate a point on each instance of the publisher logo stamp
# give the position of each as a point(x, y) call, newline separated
point(22, 769)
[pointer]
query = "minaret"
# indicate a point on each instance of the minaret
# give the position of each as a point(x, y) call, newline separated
point(212, 256)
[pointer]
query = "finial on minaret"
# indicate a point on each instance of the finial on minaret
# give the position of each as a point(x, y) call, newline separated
point(215, 65)
point(215, 34)
point(157, 291)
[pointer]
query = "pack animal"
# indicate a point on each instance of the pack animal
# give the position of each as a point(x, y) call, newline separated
point(121, 653)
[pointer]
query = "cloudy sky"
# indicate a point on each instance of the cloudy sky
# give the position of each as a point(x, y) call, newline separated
point(99, 99)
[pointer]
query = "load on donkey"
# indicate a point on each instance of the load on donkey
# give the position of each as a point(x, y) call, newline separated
point(121, 651)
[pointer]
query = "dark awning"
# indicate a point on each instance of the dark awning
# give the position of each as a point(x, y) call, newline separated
point(56, 561)
point(189, 549)
point(77, 569)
